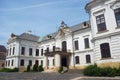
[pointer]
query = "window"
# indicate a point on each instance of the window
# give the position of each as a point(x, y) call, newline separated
point(13, 50)
point(10, 51)
point(7, 52)
point(22, 62)
point(88, 59)
point(76, 45)
point(117, 16)
point(30, 51)
point(42, 62)
point(64, 46)
point(53, 62)
point(30, 62)
point(12, 62)
point(37, 52)
point(105, 50)
point(77, 60)
point(86, 41)
point(101, 25)
point(8, 62)
point(37, 62)
point(23, 51)
point(47, 49)
point(41, 52)
point(53, 48)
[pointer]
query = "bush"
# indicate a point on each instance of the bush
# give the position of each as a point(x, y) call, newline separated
point(28, 68)
point(107, 71)
point(94, 70)
point(60, 69)
point(9, 70)
point(40, 68)
point(35, 68)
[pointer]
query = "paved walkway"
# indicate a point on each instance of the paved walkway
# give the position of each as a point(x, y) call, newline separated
point(48, 76)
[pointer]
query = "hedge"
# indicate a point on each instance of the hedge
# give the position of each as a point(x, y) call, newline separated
point(94, 70)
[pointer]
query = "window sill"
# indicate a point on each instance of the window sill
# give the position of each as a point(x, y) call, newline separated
point(117, 27)
point(87, 48)
point(102, 31)
point(106, 58)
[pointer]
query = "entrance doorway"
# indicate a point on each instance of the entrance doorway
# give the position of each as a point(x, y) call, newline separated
point(64, 62)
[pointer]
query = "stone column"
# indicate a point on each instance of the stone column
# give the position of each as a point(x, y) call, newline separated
point(46, 62)
point(57, 61)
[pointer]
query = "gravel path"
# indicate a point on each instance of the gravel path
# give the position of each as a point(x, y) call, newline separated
point(49, 76)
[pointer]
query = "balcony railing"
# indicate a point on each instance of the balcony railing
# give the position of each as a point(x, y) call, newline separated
point(57, 49)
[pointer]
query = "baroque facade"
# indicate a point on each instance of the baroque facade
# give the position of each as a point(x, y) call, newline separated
point(93, 41)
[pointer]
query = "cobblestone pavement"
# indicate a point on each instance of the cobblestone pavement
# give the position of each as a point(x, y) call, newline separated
point(48, 76)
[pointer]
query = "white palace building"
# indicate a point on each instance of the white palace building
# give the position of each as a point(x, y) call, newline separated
point(94, 41)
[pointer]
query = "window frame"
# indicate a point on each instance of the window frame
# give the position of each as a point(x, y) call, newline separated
point(76, 45)
point(101, 25)
point(37, 52)
point(13, 50)
point(105, 50)
point(86, 43)
point(77, 60)
point(118, 23)
point(88, 58)
point(30, 51)
point(22, 62)
point(22, 50)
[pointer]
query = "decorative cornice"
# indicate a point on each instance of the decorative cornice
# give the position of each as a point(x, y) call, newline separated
point(105, 36)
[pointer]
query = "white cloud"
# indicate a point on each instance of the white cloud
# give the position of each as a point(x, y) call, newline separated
point(34, 6)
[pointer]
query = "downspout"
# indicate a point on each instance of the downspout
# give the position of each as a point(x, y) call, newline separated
point(73, 51)
point(19, 54)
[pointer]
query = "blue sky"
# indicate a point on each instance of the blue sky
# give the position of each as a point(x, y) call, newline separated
point(40, 16)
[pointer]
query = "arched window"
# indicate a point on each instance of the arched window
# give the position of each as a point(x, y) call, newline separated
point(105, 50)
point(88, 59)
point(64, 46)
point(77, 60)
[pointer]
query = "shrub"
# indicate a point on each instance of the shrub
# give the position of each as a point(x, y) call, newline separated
point(35, 67)
point(14, 70)
point(9, 70)
point(60, 69)
point(40, 68)
point(94, 70)
point(91, 70)
point(28, 68)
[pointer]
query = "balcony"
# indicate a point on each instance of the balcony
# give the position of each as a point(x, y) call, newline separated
point(57, 50)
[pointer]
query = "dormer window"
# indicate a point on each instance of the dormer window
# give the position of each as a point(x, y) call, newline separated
point(117, 16)
point(101, 25)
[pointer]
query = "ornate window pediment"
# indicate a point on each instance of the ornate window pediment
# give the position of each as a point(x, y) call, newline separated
point(63, 30)
point(115, 4)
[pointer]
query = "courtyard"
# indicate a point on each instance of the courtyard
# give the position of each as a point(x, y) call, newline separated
point(49, 76)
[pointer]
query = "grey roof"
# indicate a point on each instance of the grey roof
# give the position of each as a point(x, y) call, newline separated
point(79, 26)
point(24, 36)
point(74, 28)
point(2, 48)
point(2, 52)
point(27, 36)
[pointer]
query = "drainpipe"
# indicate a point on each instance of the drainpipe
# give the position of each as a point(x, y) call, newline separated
point(19, 54)
point(73, 51)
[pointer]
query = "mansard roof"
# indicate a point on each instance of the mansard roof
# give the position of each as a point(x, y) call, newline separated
point(27, 36)
point(24, 36)
point(79, 27)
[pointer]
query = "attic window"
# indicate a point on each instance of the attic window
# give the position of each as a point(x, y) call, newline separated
point(48, 36)
point(85, 25)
